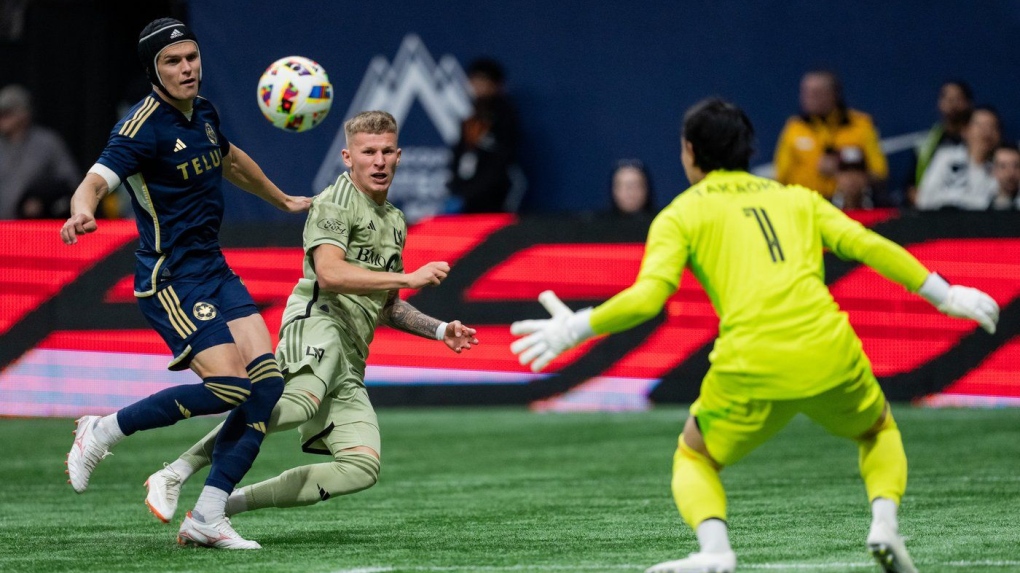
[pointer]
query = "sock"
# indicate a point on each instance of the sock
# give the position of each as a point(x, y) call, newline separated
point(237, 503)
point(883, 463)
point(200, 454)
point(216, 394)
point(884, 510)
point(182, 468)
point(294, 408)
point(713, 536)
point(108, 431)
point(697, 489)
point(241, 436)
point(305, 485)
point(210, 505)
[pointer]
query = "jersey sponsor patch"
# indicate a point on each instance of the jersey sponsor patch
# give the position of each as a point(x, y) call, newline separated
point(333, 226)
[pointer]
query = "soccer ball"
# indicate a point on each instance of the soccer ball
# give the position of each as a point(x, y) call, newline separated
point(295, 94)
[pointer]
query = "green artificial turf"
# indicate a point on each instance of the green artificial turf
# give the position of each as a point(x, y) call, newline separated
point(493, 490)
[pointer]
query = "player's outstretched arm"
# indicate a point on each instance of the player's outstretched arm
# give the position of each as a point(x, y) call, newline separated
point(83, 208)
point(335, 274)
point(960, 301)
point(241, 170)
point(403, 316)
point(546, 339)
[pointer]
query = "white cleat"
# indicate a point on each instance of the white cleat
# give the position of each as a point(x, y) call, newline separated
point(164, 489)
point(217, 535)
point(699, 563)
point(85, 454)
point(886, 545)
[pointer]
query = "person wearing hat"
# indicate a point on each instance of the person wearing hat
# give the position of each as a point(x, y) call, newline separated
point(36, 169)
point(172, 156)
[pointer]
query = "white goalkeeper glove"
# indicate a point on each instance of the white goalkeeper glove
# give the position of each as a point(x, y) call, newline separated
point(547, 339)
point(960, 301)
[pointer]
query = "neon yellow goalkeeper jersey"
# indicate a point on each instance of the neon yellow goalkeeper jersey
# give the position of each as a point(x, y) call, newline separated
point(756, 247)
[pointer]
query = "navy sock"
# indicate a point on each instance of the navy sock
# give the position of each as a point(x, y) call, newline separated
point(167, 407)
point(241, 437)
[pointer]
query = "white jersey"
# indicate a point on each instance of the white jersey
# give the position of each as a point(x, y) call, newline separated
point(953, 180)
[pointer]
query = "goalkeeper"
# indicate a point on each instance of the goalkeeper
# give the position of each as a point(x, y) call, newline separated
point(784, 347)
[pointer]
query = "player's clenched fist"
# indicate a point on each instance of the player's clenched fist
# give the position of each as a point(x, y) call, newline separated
point(430, 274)
point(77, 225)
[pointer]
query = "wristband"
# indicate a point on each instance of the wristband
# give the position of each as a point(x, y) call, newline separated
point(441, 330)
point(935, 289)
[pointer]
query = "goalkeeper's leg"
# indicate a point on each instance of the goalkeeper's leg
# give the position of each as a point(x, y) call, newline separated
point(858, 410)
point(883, 464)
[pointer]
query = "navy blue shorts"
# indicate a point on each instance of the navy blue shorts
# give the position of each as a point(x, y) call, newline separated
point(192, 316)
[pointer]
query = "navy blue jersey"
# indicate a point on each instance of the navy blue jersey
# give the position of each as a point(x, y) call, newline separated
point(172, 167)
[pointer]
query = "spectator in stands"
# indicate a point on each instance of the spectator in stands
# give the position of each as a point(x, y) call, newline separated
point(960, 176)
point(631, 190)
point(485, 176)
point(1006, 171)
point(808, 149)
point(956, 100)
point(37, 173)
point(853, 185)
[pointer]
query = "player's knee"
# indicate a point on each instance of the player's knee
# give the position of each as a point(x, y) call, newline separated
point(885, 423)
point(268, 391)
point(359, 470)
point(225, 393)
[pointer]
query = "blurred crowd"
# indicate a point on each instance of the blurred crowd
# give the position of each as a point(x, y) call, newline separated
point(961, 162)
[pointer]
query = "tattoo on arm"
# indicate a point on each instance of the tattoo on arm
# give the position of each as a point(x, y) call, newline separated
point(402, 316)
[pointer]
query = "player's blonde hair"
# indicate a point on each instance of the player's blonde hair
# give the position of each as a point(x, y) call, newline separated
point(370, 122)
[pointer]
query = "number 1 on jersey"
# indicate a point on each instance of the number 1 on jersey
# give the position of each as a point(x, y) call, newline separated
point(765, 225)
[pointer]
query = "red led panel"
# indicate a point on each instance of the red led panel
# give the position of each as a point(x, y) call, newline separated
point(996, 376)
point(394, 348)
point(588, 271)
point(35, 264)
point(448, 238)
point(125, 341)
point(901, 331)
point(872, 217)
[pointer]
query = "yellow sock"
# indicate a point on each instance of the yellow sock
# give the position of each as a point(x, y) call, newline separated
point(697, 489)
point(884, 463)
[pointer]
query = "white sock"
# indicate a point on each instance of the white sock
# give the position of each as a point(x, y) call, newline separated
point(182, 468)
point(108, 431)
point(713, 537)
point(236, 503)
point(210, 505)
point(884, 509)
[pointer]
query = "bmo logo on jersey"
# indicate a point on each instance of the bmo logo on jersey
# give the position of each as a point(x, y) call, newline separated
point(441, 90)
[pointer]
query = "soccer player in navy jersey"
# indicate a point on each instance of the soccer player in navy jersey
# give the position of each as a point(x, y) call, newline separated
point(171, 155)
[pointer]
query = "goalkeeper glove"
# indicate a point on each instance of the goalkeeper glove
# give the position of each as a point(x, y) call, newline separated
point(547, 339)
point(960, 301)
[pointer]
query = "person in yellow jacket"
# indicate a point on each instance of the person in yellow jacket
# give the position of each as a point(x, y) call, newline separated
point(784, 347)
point(807, 152)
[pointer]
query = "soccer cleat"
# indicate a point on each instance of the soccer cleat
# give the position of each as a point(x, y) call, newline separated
point(85, 454)
point(886, 545)
point(217, 535)
point(699, 563)
point(164, 489)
